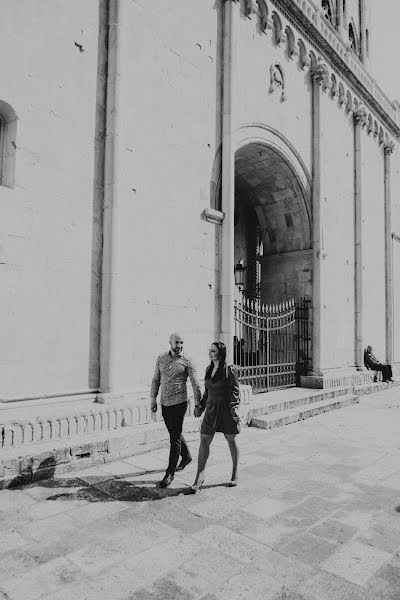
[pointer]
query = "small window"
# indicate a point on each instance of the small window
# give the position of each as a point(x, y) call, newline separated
point(8, 145)
point(327, 11)
point(352, 39)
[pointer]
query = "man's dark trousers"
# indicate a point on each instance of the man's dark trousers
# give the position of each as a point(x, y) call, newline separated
point(173, 417)
point(386, 371)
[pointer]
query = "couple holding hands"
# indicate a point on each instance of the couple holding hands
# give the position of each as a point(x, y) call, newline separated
point(218, 404)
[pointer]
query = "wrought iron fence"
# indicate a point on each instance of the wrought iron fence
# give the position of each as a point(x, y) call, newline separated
point(271, 343)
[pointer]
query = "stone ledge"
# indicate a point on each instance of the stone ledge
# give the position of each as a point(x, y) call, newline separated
point(74, 420)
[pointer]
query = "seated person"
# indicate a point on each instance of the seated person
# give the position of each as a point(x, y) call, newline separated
point(371, 362)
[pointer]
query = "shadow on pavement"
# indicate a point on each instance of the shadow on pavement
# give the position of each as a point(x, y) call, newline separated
point(102, 488)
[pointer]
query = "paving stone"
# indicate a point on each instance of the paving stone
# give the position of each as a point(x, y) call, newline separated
point(163, 589)
point(386, 583)
point(355, 562)
point(135, 537)
point(248, 584)
point(307, 512)
point(14, 562)
point(237, 546)
point(45, 530)
point(256, 528)
point(381, 536)
point(15, 500)
point(360, 519)
point(309, 548)
point(202, 572)
point(11, 541)
point(334, 531)
point(266, 508)
point(325, 586)
point(41, 580)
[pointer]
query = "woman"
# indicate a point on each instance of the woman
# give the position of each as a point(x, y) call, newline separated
point(219, 403)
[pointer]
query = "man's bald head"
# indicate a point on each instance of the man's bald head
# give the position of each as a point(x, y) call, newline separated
point(176, 342)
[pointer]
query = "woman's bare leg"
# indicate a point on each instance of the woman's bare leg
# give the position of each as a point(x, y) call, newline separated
point(204, 451)
point(234, 450)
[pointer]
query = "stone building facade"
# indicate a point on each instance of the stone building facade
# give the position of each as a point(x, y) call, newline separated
point(146, 147)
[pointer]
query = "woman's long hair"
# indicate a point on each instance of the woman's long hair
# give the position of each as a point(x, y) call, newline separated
point(220, 346)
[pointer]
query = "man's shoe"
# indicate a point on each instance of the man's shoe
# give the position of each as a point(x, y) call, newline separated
point(166, 481)
point(184, 463)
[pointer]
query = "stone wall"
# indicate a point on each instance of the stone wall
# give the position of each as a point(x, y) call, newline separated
point(48, 232)
point(287, 275)
point(165, 269)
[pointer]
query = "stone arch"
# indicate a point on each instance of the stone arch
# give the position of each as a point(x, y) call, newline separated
point(265, 135)
point(272, 213)
point(334, 87)
point(353, 39)
point(277, 28)
point(349, 101)
point(370, 124)
point(304, 60)
point(328, 11)
point(290, 42)
point(263, 14)
point(341, 94)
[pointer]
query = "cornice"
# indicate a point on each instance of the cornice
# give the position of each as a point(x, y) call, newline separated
point(310, 31)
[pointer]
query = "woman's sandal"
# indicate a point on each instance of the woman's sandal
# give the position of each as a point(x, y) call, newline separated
point(197, 487)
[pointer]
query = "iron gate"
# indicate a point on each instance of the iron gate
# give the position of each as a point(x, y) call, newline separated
point(271, 343)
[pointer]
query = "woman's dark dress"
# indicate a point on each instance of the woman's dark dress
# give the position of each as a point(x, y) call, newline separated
point(220, 401)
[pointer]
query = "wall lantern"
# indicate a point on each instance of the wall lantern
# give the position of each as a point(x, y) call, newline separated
point(239, 270)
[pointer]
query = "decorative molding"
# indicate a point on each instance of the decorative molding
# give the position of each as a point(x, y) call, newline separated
point(251, 7)
point(213, 216)
point(320, 75)
point(360, 116)
point(326, 39)
point(277, 80)
point(389, 147)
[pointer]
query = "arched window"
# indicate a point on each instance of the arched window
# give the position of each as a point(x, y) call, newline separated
point(352, 39)
point(327, 11)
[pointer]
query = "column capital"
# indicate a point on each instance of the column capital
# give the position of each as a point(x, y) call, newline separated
point(389, 147)
point(320, 75)
point(360, 116)
point(251, 7)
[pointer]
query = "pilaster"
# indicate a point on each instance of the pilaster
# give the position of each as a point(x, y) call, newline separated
point(388, 151)
point(360, 120)
point(227, 281)
point(319, 75)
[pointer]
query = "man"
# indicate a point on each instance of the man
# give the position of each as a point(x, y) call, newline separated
point(171, 373)
point(371, 362)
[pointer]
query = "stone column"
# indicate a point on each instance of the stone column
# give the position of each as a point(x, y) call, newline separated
point(227, 280)
point(360, 118)
point(319, 77)
point(388, 150)
point(108, 329)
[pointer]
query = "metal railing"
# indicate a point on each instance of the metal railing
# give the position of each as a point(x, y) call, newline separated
point(271, 343)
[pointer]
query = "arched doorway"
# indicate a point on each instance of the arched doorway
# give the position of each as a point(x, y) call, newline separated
point(273, 242)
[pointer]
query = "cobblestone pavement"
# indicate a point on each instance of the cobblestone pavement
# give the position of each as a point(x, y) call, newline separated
point(313, 518)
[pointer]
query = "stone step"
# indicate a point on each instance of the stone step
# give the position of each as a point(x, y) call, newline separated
point(299, 413)
point(269, 402)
